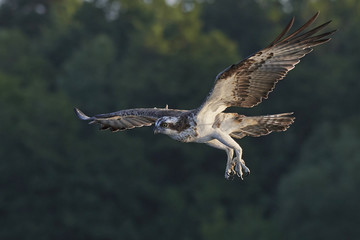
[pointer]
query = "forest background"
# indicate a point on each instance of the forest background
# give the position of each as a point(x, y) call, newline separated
point(63, 179)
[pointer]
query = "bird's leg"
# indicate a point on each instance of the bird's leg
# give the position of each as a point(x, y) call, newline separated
point(240, 167)
point(230, 164)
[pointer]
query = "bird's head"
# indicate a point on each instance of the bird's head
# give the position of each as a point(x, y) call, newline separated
point(166, 125)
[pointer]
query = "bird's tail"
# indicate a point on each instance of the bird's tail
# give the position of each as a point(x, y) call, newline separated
point(263, 125)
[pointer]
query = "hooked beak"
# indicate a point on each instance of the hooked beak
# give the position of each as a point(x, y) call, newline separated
point(156, 131)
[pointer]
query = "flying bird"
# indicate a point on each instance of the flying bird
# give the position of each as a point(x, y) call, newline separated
point(244, 84)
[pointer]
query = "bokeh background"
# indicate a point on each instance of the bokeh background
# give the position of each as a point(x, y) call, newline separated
point(63, 179)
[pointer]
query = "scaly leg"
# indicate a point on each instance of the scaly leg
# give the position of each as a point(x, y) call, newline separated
point(230, 164)
point(240, 167)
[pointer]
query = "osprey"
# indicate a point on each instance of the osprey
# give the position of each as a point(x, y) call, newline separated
point(243, 84)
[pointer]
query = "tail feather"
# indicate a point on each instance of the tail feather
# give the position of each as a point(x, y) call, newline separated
point(263, 125)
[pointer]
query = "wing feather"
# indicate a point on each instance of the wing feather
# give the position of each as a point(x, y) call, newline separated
point(128, 119)
point(246, 83)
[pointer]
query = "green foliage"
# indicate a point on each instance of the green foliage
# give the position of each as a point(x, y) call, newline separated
point(88, 72)
point(62, 179)
point(319, 199)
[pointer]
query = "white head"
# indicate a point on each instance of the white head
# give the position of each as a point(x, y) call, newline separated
point(166, 125)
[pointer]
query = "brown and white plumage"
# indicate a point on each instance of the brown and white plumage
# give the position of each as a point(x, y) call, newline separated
point(244, 84)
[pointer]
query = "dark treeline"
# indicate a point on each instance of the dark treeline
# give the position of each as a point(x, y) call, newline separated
point(63, 179)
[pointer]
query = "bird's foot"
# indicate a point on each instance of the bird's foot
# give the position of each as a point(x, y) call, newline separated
point(236, 167)
point(230, 169)
point(241, 169)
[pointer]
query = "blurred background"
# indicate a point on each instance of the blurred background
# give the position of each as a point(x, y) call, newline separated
point(63, 179)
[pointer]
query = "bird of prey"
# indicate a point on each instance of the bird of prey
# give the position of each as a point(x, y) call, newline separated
point(243, 84)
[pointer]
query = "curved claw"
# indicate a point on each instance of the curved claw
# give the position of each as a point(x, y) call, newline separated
point(241, 169)
point(230, 172)
point(238, 168)
point(247, 173)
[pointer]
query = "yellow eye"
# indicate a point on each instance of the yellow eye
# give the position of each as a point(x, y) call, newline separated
point(164, 125)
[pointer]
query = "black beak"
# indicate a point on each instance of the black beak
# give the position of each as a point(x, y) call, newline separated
point(156, 131)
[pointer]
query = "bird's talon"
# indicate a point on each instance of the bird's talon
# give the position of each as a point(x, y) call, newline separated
point(241, 169)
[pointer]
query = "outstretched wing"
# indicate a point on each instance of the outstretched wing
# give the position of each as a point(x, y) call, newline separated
point(128, 119)
point(245, 84)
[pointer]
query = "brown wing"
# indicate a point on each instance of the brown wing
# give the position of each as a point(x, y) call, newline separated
point(128, 119)
point(245, 84)
point(263, 125)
